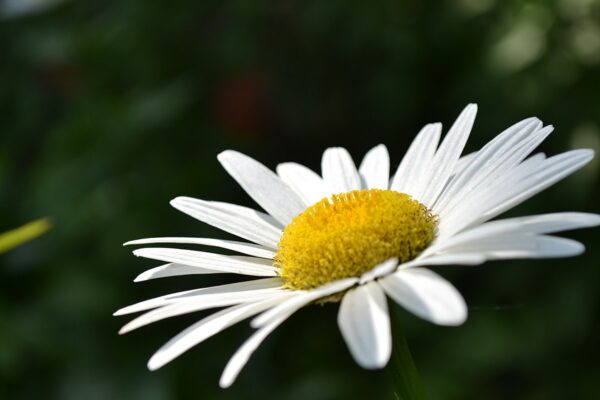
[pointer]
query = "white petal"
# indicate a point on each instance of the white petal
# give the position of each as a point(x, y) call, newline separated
point(486, 195)
point(478, 202)
point(491, 158)
point(206, 328)
point(241, 247)
point(552, 223)
point(365, 325)
point(545, 223)
point(242, 355)
point(386, 267)
point(339, 172)
point(464, 162)
point(519, 246)
point(265, 283)
point(446, 259)
point(244, 222)
point(306, 183)
point(517, 185)
point(552, 170)
point(263, 186)
point(375, 168)
point(199, 302)
point(300, 299)
point(495, 172)
point(172, 269)
point(216, 262)
point(151, 303)
point(413, 172)
point(446, 157)
point(427, 295)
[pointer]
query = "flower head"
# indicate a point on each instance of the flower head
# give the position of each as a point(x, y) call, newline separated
point(356, 236)
point(346, 235)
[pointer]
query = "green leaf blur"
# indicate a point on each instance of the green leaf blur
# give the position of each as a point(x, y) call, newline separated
point(109, 109)
point(23, 234)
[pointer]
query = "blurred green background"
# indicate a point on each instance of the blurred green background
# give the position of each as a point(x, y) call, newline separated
point(108, 109)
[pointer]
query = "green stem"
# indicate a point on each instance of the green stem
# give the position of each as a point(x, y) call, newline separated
point(401, 368)
point(25, 233)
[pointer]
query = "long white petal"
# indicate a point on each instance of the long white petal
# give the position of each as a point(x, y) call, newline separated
point(519, 246)
point(256, 284)
point(539, 224)
point(446, 259)
point(515, 186)
point(365, 325)
point(492, 157)
point(413, 172)
point(242, 355)
point(241, 247)
point(496, 172)
point(301, 298)
point(217, 262)
point(552, 223)
point(427, 295)
point(554, 169)
point(339, 172)
point(172, 269)
point(244, 222)
point(263, 185)
point(305, 182)
point(477, 204)
point(198, 303)
point(464, 162)
point(206, 328)
point(446, 157)
point(375, 168)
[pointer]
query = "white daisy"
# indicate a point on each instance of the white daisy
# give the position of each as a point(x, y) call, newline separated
point(357, 235)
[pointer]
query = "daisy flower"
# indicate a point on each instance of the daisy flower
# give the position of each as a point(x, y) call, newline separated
point(359, 235)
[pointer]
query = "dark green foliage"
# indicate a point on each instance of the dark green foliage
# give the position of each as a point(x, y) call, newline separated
point(108, 109)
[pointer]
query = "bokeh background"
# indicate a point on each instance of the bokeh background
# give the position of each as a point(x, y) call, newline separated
point(108, 109)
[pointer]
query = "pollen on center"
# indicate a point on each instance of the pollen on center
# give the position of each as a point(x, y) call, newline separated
point(349, 234)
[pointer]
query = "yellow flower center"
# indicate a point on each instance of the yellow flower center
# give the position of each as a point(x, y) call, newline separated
point(349, 234)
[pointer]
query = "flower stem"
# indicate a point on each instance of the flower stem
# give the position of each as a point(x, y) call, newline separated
point(25, 233)
point(401, 369)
